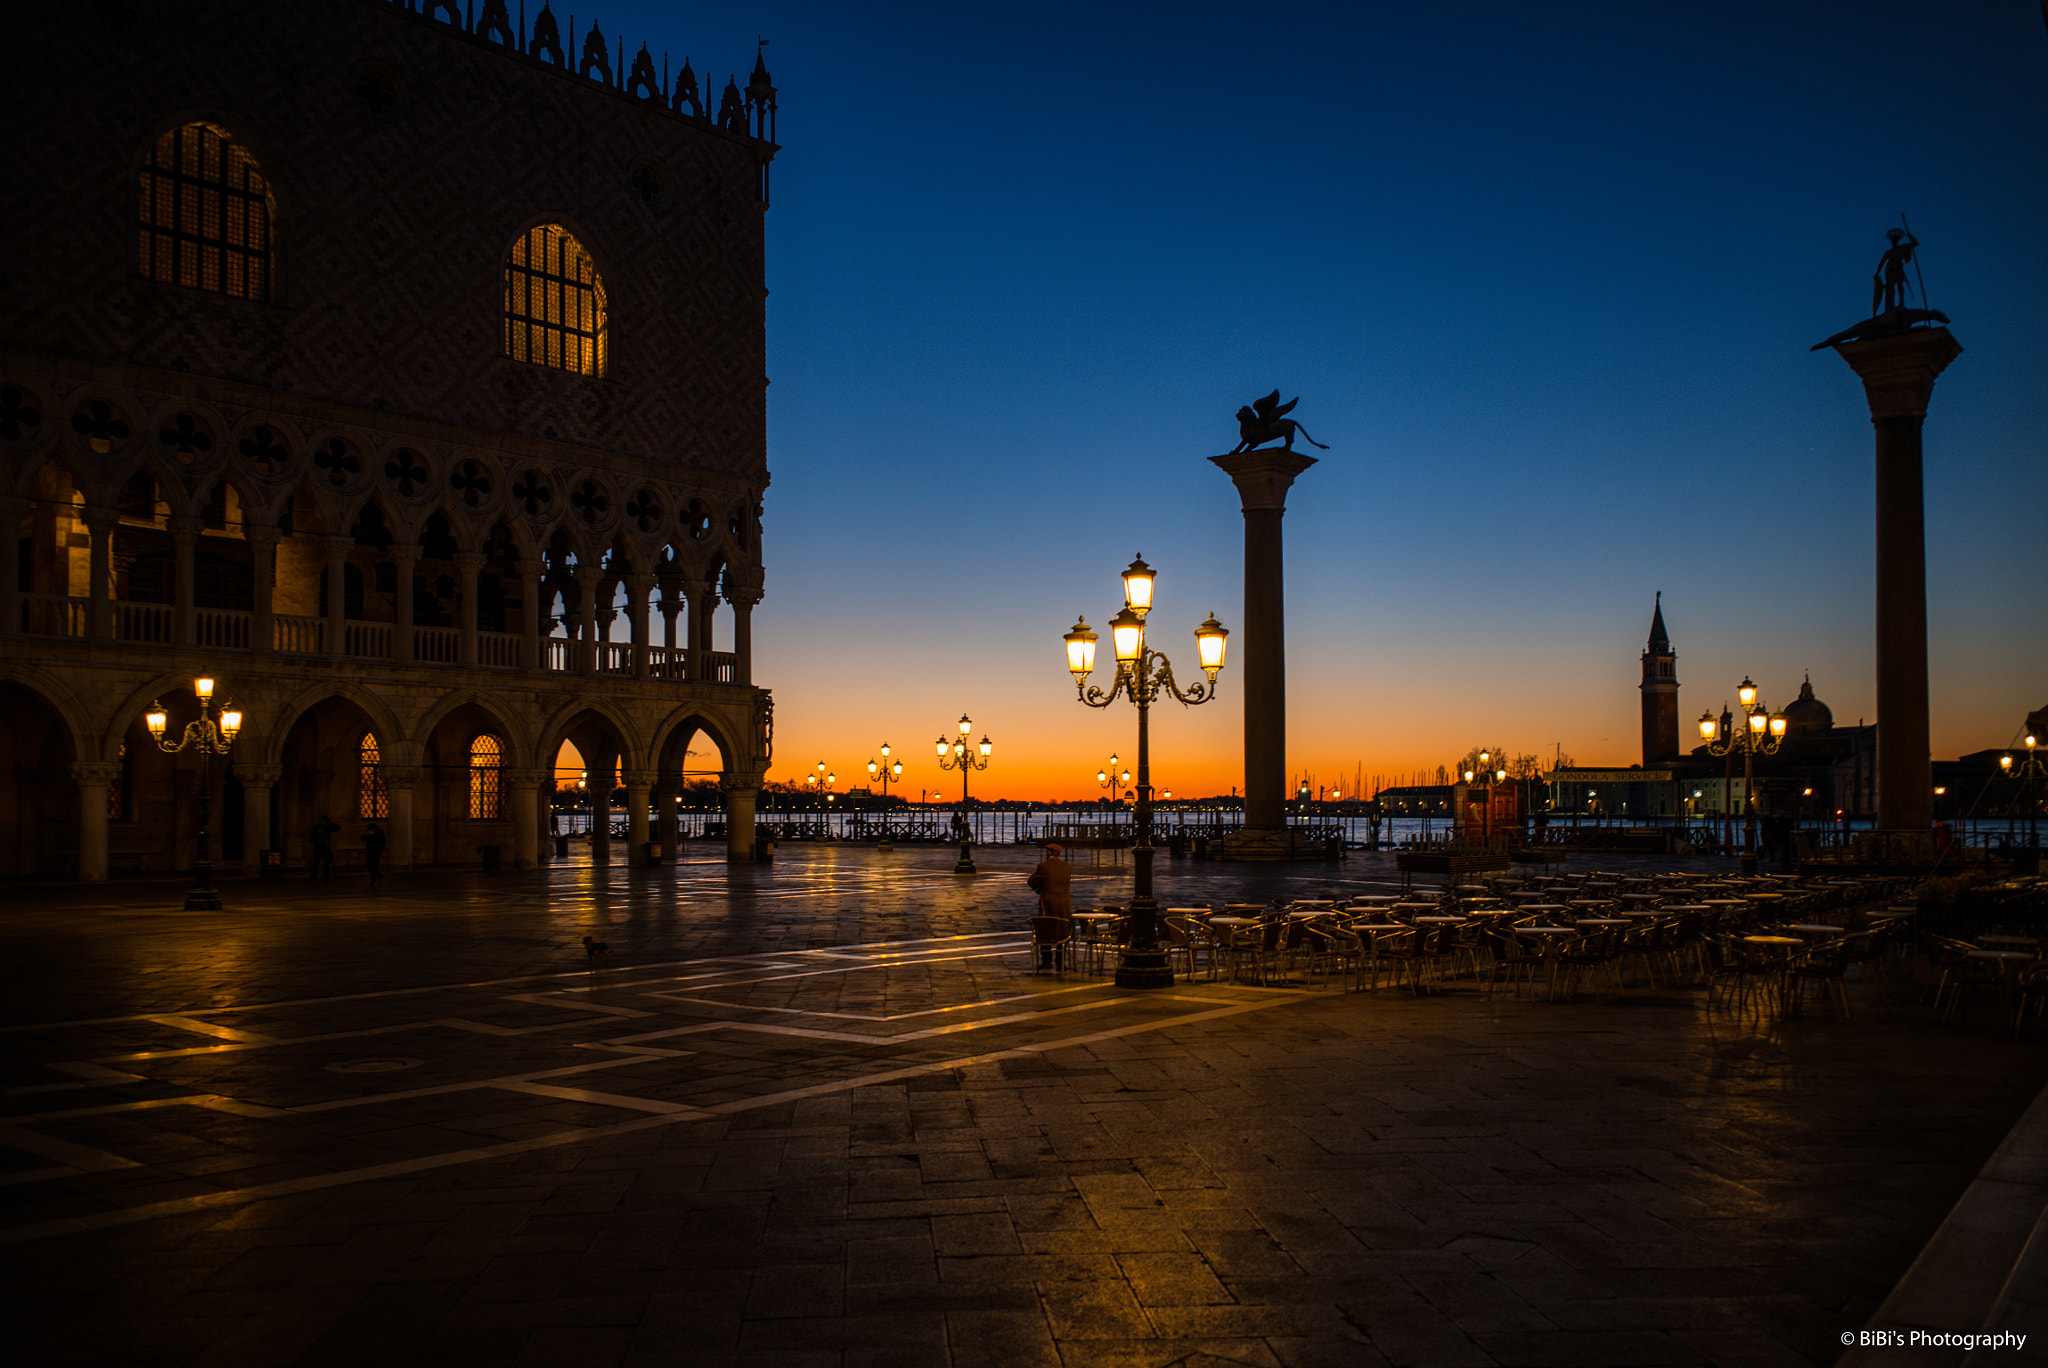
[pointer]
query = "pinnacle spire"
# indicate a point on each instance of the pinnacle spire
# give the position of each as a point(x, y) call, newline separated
point(1660, 643)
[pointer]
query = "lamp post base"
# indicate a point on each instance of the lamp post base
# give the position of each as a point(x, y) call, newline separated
point(966, 864)
point(1143, 968)
point(202, 900)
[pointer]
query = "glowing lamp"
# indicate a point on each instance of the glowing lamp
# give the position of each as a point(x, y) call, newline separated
point(896, 770)
point(986, 746)
point(203, 687)
point(158, 719)
point(1080, 650)
point(885, 751)
point(1138, 588)
point(2005, 762)
point(873, 769)
point(1778, 724)
point(230, 723)
point(966, 727)
point(1210, 639)
point(2030, 743)
point(1746, 691)
point(1707, 726)
point(1468, 776)
point(1500, 776)
point(1102, 777)
point(944, 747)
point(1758, 721)
point(1127, 630)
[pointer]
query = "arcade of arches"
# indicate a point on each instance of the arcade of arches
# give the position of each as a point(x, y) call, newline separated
point(443, 775)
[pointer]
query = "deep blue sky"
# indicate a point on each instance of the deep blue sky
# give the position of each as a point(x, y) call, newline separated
point(1544, 277)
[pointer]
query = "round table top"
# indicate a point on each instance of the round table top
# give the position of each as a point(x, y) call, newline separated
point(1774, 940)
point(1639, 914)
point(1311, 914)
point(1233, 921)
point(2009, 940)
point(1439, 921)
point(1999, 954)
point(1380, 926)
point(1723, 902)
point(1819, 928)
point(1683, 907)
point(1541, 907)
point(1547, 930)
point(1188, 911)
point(1096, 916)
point(1604, 921)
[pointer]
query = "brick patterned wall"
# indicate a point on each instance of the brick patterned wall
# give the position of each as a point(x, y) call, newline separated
point(392, 228)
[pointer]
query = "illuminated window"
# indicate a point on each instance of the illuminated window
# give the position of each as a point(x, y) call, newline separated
point(486, 771)
point(371, 798)
point(554, 303)
point(206, 214)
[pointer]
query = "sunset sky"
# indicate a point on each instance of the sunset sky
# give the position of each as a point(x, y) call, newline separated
point(1545, 279)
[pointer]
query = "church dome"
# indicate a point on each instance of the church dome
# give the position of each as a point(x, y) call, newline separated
point(1806, 713)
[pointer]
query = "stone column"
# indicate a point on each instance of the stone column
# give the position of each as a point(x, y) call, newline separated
point(636, 786)
point(185, 615)
point(406, 557)
point(263, 557)
point(400, 784)
point(1262, 479)
point(697, 631)
point(12, 511)
point(584, 653)
point(467, 564)
point(638, 587)
point(743, 598)
point(257, 782)
point(92, 777)
point(598, 783)
point(99, 585)
point(524, 785)
point(544, 817)
point(740, 792)
point(531, 571)
point(338, 549)
point(670, 603)
point(1898, 374)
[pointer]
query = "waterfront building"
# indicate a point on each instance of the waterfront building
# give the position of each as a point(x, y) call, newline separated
point(403, 369)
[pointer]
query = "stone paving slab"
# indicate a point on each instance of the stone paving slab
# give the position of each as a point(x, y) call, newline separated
point(823, 1113)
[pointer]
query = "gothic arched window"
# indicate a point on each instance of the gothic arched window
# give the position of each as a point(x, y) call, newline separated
point(486, 773)
point(554, 302)
point(372, 799)
point(206, 214)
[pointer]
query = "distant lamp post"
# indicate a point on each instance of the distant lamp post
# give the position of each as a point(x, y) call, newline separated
point(1144, 674)
point(959, 755)
point(1762, 736)
point(2027, 770)
point(209, 736)
point(888, 769)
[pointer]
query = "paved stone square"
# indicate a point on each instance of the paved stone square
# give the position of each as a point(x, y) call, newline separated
point(822, 1112)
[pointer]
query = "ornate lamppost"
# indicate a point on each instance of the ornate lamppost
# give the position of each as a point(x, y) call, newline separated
point(1489, 772)
point(2028, 771)
point(820, 782)
point(956, 755)
point(209, 736)
point(887, 770)
point(1143, 674)
point(1766, 730)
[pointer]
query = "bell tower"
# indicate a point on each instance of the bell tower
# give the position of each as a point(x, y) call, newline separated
point(1660, 692)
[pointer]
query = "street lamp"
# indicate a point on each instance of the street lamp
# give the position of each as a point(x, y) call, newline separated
point(886, 771)
point(1762, 736)
point(1143, 674)
point(2028, 770)
point(209, 736)
point(958, 755)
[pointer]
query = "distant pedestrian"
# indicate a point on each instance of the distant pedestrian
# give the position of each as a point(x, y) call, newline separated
point(373, 854)
point(322, 838)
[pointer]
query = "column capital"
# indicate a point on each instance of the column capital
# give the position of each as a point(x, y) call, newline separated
point(338, 548)
point(743, 595)
point(257, 534)
point(186, 526)
point(699, 588)
point(630, 779)
point(404, 552)
point(638, 585)
point(95, 773)
point(98, 517)
point(263, 776)
point(1898, 371)
point(400, 776)
point(526, 776)
point(469, 560)
point(1263, 477)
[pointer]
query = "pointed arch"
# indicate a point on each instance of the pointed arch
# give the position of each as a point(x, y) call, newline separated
point(206, 217)
point(556, 310)
point(552, 732)
point(85, 738)
point(399, 748)
point(519, 739)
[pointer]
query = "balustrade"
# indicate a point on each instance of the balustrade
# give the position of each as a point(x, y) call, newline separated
point(503, 649)
point(52, 615)
point(153, 624)
point(299, 635)
point(223, 628)
point(436, 645)
point(557, 649)
point(368, 639)
point(725, 667)
point(614, 657)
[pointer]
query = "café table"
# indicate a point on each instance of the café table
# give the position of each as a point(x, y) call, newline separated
point(1783, 947)
point(2015, 942)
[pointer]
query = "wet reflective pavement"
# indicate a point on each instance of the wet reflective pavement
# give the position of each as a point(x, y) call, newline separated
point(823, 1113)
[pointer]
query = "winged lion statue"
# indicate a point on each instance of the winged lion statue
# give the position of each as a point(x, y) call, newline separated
point(1266, 420)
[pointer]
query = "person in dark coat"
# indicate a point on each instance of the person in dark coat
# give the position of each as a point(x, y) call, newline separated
point(322, 839)
point(1052, 880)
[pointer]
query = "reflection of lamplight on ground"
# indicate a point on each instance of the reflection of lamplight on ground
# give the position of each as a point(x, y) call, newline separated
point(957, 755)
point(1144, 674)
point(209, 736)
point(885, 771)
point(1766, 730)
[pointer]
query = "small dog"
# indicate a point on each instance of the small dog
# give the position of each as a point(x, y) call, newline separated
point(599, 953)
